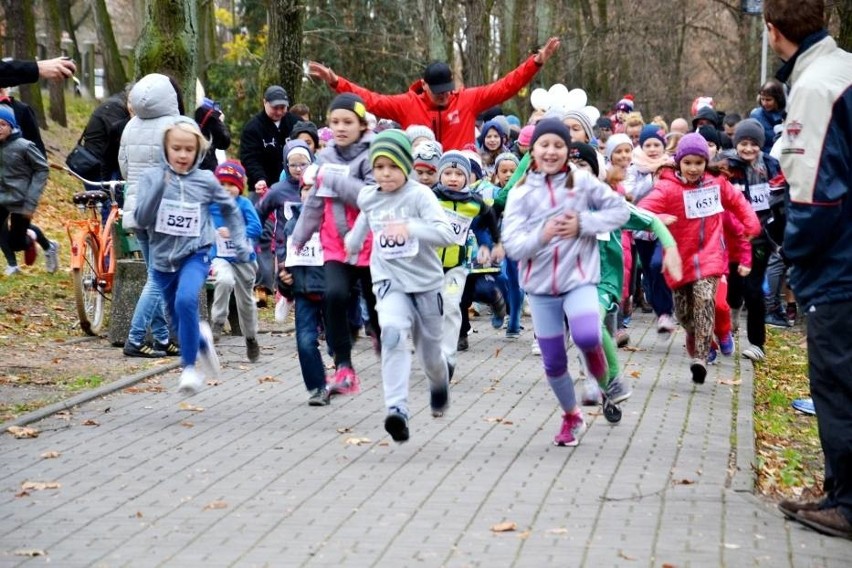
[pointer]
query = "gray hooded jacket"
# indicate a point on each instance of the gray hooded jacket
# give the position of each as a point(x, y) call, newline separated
point(155, 105)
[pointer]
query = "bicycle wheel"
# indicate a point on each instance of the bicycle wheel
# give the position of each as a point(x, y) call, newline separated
point(87, 296)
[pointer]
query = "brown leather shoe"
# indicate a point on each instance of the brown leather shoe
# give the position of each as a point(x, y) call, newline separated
point(827, 521)
point(791, 508)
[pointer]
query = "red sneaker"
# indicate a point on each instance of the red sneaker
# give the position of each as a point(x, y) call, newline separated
point(30, 253)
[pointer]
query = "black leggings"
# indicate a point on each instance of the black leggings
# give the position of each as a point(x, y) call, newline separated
point(13, 235)
point(340, 282)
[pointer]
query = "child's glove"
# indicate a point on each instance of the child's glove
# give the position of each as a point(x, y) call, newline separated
point(282, 309)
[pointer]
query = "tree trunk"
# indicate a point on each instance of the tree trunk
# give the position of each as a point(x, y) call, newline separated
point(168, 44)
point(54, 45)
point(207, 46)
point(844, 14)
point(476, 49)
point(114, 72)
point(283, 62)
point(24, 47)
point(66, 24)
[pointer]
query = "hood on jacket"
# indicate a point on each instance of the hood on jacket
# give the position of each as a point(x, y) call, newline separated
point(289, 147)
point(153, 96)
point(188, 125)
point(353, 150)
point(492, 124)
point(706, 113)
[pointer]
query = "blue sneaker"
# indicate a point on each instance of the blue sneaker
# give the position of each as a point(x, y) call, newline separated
point(804, 405)
point(726, 345)
point(711, 356)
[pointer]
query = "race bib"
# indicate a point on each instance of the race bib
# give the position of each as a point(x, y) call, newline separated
point(225, 248)
point(460, 225)
point(310, 255)
point(759, 196)
point(333, 169)
point(702, 202)
point(178, 218)
point(395, 247)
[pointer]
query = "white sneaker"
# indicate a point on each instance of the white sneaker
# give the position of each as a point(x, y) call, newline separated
point(665, 324)
point(12, 270)
point(754, 353)
point(535, 349)
point(190, 381)
point(208, 359)
point(591, 392)
point(51, 257)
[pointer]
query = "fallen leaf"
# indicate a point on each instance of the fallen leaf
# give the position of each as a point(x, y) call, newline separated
point(344, 430)
point(213, 383)
point(30, 552)
point(138, 514)
point(626, 556)
point(50, 455)
point(90, 422)
point(683, 482)
point(505, 422)
point(357, 441)
point(730, 382)
point(732, 546)
point(497, 352)
point(190, 407)
point(487, 390)
point(667, 565)
point(267, 379)
point(39, 485)
point(507, 526)
point(384, 443)
point(631, 349)
point(187, 424)
point(524, 535)
point(23, 432)
point(636, 374)
point(215, 505)
point(560, 530)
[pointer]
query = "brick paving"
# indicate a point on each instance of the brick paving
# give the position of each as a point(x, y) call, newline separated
point(249, 475)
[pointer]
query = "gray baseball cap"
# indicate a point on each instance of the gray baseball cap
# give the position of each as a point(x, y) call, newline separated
point(276, 95)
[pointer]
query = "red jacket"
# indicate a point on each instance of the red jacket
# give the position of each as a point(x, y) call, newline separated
point(700, 241)
point(454, 126)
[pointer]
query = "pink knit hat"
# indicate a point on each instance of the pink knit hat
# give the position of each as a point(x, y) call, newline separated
point(525, 136)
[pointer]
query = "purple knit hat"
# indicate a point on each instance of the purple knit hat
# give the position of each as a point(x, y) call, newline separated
point(692, 144)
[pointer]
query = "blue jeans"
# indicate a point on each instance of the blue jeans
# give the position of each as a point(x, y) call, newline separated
point(515, 295)
point(308, 319)
point(150, 308)
point(180, 291)
point(657, 292)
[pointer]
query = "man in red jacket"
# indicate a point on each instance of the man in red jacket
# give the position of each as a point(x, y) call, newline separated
point(434, 100)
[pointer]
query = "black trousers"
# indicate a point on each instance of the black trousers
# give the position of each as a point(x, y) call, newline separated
point(750, 289)
point(829, 362)
point(340, 287)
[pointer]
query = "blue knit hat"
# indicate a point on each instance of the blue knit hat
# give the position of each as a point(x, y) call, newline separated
point(454, 159)
point(8, 115)
point(652, 131)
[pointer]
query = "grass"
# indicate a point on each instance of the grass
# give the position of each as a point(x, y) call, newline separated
point(789, 456)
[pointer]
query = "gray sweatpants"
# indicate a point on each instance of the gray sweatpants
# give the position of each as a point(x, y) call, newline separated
point(454, 281)
point(419, 315)
point(236, 277)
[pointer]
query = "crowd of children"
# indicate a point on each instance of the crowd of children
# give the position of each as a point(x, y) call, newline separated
point(377, 228)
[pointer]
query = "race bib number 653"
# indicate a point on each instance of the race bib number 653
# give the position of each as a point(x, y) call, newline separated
point(702, 202)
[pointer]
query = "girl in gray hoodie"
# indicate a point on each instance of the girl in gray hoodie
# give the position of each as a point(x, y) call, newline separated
point(550, 226)
point(173, 208)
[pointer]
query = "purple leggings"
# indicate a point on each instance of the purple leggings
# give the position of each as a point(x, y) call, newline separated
point(580, 306)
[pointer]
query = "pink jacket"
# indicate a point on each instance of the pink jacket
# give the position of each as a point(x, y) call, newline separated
point(700, 240)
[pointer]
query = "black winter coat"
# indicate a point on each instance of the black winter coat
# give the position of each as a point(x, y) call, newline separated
point(262, 147)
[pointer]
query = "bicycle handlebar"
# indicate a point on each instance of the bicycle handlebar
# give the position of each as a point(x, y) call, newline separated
point(110, 184)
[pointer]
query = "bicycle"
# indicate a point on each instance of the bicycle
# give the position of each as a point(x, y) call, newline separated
point(93, 258)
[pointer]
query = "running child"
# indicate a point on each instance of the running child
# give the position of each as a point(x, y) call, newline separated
point(698, 199)
point(407, 224)
point(550, 225)
point(230, 275)
point(173, 208)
